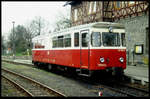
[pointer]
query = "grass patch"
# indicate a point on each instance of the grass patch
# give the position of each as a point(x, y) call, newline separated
point(19, 54)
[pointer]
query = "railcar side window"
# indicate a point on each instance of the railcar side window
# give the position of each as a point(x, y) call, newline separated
point(55, 41)
point(85, 40)
point(76, 39)
point(96, 39)
point(67, 40)
point(111, 39)
point(60, 41)
point(37, 44)
point(123, 39)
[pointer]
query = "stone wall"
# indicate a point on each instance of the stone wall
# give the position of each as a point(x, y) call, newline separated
point(136, 34)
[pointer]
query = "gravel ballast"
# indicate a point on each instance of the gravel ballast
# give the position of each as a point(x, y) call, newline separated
point(8, 89)
point(69, 87)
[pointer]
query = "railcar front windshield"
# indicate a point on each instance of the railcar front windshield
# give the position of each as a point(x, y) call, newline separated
point(106, 39)
point(96, 39)
point(110, 39)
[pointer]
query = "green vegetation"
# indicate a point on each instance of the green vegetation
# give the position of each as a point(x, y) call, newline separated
point(19, 54)
point(25, 53)
point(146, 60)
point(20, 38)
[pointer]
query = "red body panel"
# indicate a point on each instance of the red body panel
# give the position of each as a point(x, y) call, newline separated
point(88, 59)
point(60, 57)
point(111, 57)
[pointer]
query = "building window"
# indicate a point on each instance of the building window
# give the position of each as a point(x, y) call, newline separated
point(75, 14)
point(147, 40)
point(118, 4)
point(90, 8)
point(131, 2)
point(76, 39)
point(94, 8)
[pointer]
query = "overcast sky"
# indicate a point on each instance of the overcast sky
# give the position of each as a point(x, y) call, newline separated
point(23, 12)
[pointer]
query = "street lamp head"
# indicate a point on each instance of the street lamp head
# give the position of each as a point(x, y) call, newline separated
point(13, 21)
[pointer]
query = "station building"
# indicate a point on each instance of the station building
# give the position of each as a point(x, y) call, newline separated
point(134, 15)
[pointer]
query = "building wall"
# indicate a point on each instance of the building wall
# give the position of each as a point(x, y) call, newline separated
point(136, 34)
point(89, 12)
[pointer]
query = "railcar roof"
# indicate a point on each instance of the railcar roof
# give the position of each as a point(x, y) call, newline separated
point(94, 25)
point(40, 36)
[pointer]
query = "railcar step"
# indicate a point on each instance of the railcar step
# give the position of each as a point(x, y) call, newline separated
point(84, 75)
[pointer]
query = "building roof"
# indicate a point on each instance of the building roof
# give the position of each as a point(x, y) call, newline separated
point(72, 3)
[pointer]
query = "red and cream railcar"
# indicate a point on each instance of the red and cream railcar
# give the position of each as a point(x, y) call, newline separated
point(85, 48)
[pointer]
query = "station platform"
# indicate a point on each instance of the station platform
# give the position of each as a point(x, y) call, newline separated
point(23, 61)
point(138, 72)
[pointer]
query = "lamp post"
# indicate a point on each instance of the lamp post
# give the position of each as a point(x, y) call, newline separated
point(13, 41)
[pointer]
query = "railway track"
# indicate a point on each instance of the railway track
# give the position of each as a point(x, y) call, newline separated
point(17, 63)
point(121, 88)
point(31, 87)
point(126, 90)
point(17, 86)
point(146, 91)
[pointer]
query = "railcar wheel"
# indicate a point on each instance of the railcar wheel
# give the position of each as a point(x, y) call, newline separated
point(50, 67)
point(35, 64)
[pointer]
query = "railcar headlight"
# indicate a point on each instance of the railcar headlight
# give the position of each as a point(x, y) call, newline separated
point(121, 59)
point(102, 60)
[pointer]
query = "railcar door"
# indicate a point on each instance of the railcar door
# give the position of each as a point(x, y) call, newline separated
point(84, 49)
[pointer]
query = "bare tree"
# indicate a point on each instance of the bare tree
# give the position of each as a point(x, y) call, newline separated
point(62, 24)
point(38, 26)
point(35, 27)
point(63, 21)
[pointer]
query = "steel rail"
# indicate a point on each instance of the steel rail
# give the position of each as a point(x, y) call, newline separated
point(56, 93)
point(120, 90)
point(105, 85)
point(108, 87)
point(20, 88)
point(126, 85)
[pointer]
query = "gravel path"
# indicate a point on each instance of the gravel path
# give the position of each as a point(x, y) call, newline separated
point(69, 87)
